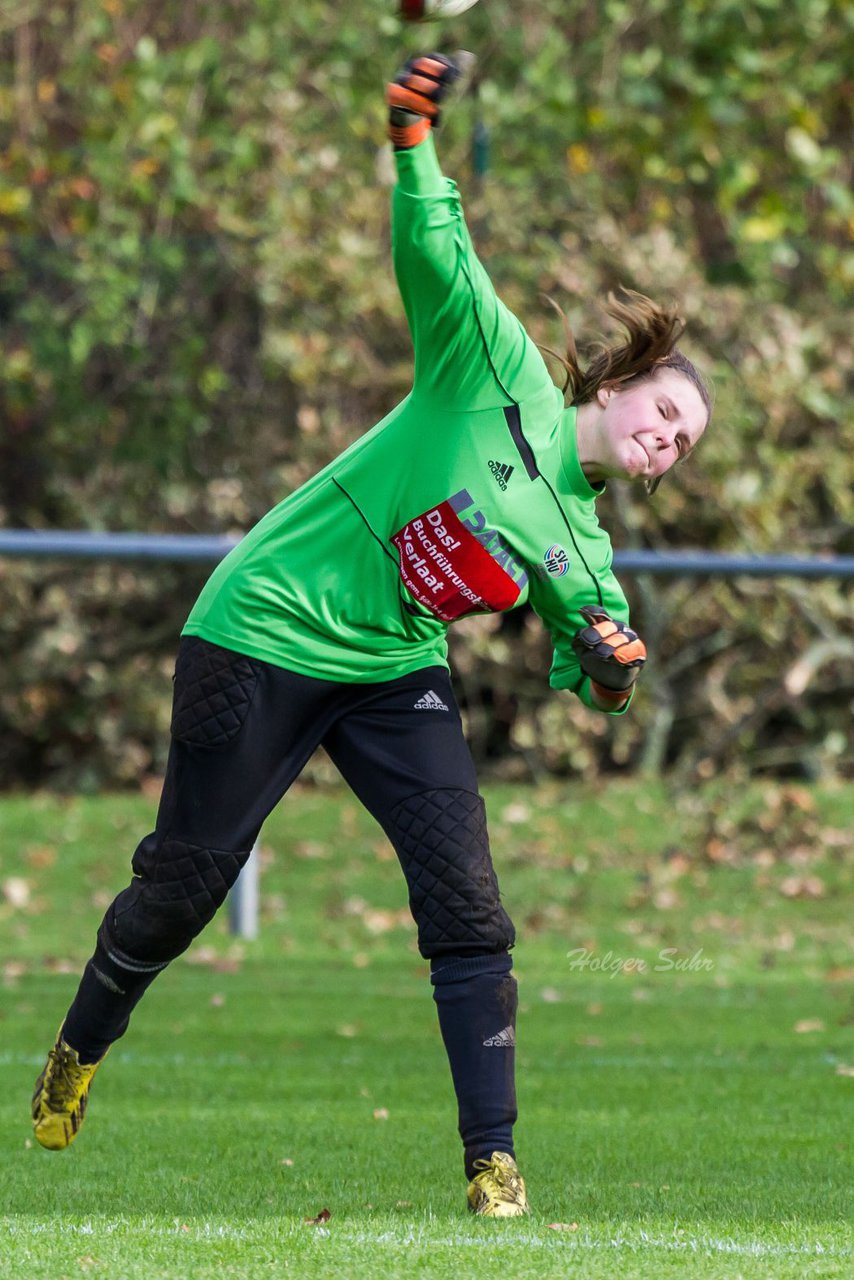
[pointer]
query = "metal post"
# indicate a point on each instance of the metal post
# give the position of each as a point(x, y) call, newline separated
point(480, 150)
point(244, 898)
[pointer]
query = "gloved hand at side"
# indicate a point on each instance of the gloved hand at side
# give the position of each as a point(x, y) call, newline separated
point(610, 653)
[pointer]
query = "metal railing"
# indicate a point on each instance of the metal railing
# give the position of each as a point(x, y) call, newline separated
point(244, 899)
point(86, 545)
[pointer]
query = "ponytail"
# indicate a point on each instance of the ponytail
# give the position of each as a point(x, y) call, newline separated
point(652, 333)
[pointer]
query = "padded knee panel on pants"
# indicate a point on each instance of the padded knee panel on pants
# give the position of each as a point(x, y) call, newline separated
point(441, 840)
point(177, 890)
point(214, 689)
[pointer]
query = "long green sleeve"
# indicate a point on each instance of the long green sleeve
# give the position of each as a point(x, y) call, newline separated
point(470, 351)
point(466, 498)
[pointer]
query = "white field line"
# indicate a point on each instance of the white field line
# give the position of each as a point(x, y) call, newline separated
point(592, 1062)
point(147, 1060)
point(644, 1241)
point(641, 1243)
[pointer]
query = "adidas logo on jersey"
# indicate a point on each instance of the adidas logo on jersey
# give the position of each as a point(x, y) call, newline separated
point(505, 1039)
point(502, 472)
point(430, 702)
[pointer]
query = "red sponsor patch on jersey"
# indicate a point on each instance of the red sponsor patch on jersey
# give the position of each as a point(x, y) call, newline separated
point(449, 571)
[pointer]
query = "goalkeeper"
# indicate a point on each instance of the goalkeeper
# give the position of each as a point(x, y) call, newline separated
point(327, 626)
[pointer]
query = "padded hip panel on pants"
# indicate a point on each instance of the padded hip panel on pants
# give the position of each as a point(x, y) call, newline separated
point(177, 889)
point(441, 840)
point(213, 692)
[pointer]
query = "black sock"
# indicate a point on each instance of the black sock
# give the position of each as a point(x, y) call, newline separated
point(108, 994)
point(476, 999)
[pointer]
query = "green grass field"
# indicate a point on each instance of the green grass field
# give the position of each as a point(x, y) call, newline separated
point(684, 1115)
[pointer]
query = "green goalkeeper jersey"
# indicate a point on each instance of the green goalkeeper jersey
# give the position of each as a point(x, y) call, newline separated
point(467, 498)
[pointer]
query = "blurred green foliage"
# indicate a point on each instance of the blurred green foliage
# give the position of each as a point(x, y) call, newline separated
point(197, 310)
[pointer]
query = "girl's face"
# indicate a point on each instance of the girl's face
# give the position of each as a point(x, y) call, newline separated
point(649, 425)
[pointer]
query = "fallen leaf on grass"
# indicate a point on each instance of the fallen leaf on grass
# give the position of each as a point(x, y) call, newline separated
point(383, 851)
point(515, 814)
point(323, 1216)
point(720, 852)
point(41, 856)
point(798, 798)
point(210, 958)
point(311, 850)
point(381, 1113)
point(378, 921)
point(349, 819)
point(16, 891)
point(563, 1226)
point(808, 1024)
point(802, 887)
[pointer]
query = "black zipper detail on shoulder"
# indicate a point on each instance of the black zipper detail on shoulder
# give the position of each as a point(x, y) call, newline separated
point(526, 453)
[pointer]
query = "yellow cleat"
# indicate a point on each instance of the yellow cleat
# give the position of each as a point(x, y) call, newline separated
point(499, 1190)
point(60, 1096)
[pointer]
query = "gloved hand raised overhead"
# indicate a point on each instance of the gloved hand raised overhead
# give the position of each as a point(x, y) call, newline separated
point(414, 97)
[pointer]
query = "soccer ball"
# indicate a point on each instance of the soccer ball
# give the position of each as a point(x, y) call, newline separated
point(432, 10)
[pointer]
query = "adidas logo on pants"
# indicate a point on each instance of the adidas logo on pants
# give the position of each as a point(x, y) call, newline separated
point(505, 1039)
point(430, 702)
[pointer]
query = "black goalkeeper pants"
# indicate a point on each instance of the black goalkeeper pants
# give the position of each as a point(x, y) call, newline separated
point(242, 731)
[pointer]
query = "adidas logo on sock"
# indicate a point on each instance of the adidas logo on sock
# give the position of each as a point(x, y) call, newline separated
point(430, 702)
point(502, 472)
point(505, 1039)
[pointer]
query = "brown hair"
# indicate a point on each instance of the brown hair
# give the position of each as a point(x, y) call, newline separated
point(653, 332)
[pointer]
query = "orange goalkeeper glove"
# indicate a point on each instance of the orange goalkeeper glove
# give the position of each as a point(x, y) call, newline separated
point(610, 653)
point(414, 97)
